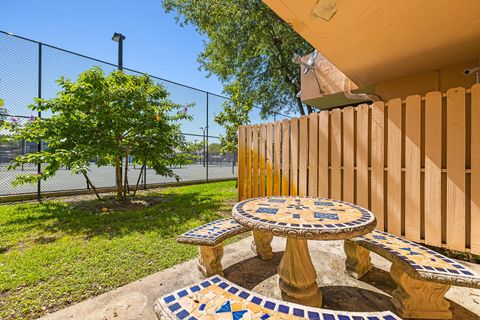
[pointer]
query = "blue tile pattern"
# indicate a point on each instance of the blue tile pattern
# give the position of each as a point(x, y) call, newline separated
point(212, 303)
point(325, 215)
point(267, 210)
point(424, 262)
point(212, 233)
point(319, 218)
point(276, 200)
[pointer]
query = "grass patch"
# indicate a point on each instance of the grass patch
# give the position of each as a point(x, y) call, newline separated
point(60, 252)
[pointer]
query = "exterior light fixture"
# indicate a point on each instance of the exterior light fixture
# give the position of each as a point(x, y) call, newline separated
point(118, 37)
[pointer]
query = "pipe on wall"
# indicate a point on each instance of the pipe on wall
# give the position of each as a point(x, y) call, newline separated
point(357, 96)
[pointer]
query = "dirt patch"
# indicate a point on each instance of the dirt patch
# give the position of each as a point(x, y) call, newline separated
point(46, 239)
point(109, 204)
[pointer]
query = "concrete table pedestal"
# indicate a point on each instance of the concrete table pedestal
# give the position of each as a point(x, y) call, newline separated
point(298, 276)
point(300, 219)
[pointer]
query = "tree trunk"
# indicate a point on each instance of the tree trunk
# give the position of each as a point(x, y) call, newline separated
point(91, 185)
point(118, 176)
point(138, 180)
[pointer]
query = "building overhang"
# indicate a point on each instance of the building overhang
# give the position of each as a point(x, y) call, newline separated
point(373, 41)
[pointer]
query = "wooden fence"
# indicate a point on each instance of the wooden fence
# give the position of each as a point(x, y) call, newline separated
point(415, 163)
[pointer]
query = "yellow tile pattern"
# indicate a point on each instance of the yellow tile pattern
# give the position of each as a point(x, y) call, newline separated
point(214, 297)
point(335, 212)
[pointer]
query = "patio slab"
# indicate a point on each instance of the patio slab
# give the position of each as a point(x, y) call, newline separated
point(135, 300)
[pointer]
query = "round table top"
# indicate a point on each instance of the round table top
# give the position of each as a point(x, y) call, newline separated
point(304, 217)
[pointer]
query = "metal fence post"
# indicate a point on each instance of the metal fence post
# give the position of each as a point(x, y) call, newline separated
point(206, 127)
point(39, 147)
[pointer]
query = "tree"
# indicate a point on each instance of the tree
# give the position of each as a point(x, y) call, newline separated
point(3, 112)
point(3, 119)
point(234, 114)
point(107, 119)
point(249, 48)
point(214, 148)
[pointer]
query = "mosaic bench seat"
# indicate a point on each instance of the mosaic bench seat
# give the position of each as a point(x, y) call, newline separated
point(217, 298)
point(209, 238)
point(423, 276)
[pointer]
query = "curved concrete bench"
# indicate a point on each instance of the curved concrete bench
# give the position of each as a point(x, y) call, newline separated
point(209, 238)
point(423, 276)
point(217, 298)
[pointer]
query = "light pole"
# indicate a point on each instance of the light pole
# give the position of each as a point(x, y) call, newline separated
point(118, 37)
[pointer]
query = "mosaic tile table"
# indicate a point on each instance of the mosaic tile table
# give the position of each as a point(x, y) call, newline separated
point(300, 219)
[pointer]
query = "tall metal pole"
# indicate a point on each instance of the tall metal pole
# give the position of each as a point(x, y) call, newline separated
point(120, 53)
point(203, 144)
point(207, 138)
point(39, 94)
point(118, 37)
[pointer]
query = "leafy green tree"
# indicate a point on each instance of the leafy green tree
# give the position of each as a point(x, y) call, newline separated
point(214, 148)
point(3, 119)
point(234, 114)
point(3, 112)
point(107, 119)
point(193, 150)
point(250, 49)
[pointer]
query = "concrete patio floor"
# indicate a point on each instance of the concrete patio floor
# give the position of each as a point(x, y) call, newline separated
point(372, 293)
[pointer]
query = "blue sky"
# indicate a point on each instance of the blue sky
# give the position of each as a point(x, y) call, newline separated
point(155, 43)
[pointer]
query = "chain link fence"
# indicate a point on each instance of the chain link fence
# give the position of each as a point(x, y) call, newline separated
point(29, 69)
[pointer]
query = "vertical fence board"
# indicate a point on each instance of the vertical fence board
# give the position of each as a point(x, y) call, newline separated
point(303, 156)
point(433, 168)
point(456, 168)
point(276, 159)
point(323, 138)
point(285, 157)
point(255, 161)
point(294, 157)
point(248, 179)
point(378, 163)
point(475, 171)
point(348, 154)
point(394, 159)
point(269, 191)
point(313, 155)
point(336, 156)
point(241, 163)
point(362, 156)
point(263, 161)
point(412, 167)
point(328, 155)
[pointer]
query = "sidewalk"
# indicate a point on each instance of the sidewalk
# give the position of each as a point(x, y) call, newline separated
point(135, 300)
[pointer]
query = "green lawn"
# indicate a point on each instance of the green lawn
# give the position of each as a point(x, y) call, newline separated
point(57, 253)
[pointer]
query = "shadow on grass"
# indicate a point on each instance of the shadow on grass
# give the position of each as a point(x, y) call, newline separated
point(167, 215)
